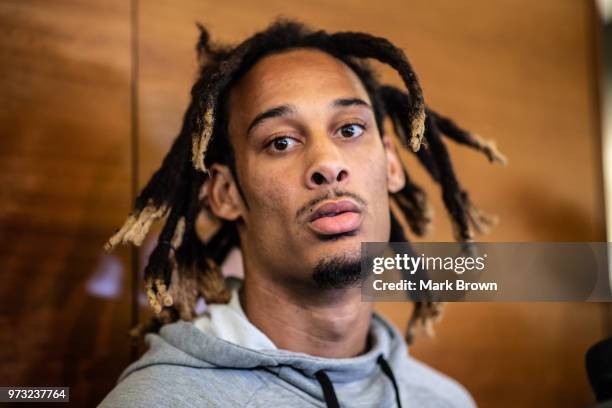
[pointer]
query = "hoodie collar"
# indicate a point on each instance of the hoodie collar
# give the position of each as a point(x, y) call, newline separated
point(212, 351)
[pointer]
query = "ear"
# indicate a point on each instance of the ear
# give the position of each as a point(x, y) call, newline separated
point(396, 178)
point(222, 193)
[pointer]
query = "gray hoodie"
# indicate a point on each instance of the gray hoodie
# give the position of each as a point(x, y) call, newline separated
point(188, 367)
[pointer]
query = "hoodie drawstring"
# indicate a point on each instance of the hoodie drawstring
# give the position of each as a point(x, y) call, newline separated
point(331, 400)
point(328, 389)
point(389, 373)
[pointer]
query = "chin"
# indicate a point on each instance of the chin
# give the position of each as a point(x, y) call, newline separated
point(339, 268)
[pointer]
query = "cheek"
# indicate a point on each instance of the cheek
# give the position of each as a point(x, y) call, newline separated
point(374, 176)
point(372, 168)
point(269, 198)
point(379, 191)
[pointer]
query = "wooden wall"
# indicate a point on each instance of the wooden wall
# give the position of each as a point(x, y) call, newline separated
point(65, 169)
point(520, 72)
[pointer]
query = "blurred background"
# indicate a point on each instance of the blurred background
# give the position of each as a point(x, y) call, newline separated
point(524, 73)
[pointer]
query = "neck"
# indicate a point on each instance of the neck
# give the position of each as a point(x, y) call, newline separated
point(325, 323)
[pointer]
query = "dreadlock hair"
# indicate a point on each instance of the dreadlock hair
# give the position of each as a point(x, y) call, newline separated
point(184, 267)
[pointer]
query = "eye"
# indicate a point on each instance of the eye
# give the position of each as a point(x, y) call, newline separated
point(352, 130)
point(280, 144)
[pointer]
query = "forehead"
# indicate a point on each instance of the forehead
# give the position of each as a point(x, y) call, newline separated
point(302, 75)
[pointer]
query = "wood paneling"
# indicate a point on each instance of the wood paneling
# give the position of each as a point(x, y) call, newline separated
point(64, 171)
point(518, 72)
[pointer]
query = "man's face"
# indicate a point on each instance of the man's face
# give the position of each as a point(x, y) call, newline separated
point(310, 161)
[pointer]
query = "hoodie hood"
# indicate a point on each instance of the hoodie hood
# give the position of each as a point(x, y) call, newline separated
point(234, 375)
point(195, 348)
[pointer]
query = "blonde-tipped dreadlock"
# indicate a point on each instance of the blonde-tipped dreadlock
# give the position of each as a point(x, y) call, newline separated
point(137, 226)
point(200, 141)
point(183, 268)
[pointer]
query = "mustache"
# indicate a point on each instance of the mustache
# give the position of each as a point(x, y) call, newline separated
point(328, 195)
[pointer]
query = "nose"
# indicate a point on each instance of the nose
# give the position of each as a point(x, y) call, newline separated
point(327, 166)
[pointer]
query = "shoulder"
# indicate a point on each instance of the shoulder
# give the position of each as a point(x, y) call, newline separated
point(432, 387)
point(181, 386)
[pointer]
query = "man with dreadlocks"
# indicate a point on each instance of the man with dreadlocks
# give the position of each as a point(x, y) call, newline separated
point(283, 145)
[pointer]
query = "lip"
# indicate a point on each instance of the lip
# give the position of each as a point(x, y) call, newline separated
point(335, 217)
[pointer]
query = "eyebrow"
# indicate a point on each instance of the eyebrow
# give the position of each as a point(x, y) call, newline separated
point(285, 110)
point(277, 111)
point(351, 102)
